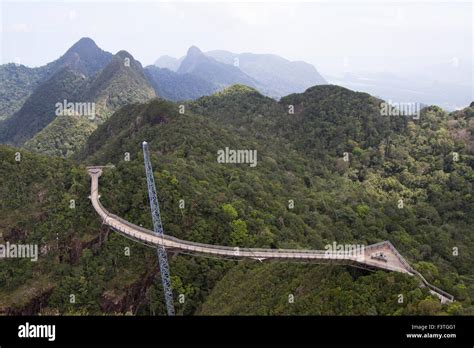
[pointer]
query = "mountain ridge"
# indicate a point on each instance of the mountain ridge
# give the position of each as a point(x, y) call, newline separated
point(277, 76)
point(301, 158)
point(18, 82)
point(211, 70)
point(271, 74)
point(39, 109)
point(121, 81)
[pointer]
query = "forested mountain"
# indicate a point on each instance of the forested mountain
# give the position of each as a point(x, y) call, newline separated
point(64, 136)
point(17, 82)
point(120, 82)
point(84, 57)
point(40, 108)
point(300, 158)
point(173, 86)
point(87, 74)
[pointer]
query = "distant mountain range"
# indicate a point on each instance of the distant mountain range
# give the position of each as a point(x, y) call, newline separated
point(88, 74)
point(276, 76)
point(270, 74)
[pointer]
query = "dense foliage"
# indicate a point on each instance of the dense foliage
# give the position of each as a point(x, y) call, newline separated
point(62, 137)
point(121, 82)
point(300, 158)
point(40, 108)
point(317, 290)
point(17, 83)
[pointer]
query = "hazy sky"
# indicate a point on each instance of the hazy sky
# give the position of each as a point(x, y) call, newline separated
point(335, 36)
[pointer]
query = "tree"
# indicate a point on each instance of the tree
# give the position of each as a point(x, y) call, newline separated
point(239, 235)
point(229, 211)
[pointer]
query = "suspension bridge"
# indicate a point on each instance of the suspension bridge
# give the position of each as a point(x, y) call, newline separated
point(381, 255)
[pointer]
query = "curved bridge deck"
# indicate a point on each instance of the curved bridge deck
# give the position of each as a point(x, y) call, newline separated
point(393, 262)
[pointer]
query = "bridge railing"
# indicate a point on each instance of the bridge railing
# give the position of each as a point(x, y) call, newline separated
point(232, 251)
point(235, 251)
point(412, 270)
point(199, 246)
point(394, 250)
point(434, 288)
point(196, 246)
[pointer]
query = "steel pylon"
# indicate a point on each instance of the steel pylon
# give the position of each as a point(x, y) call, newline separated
point(158, 229)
